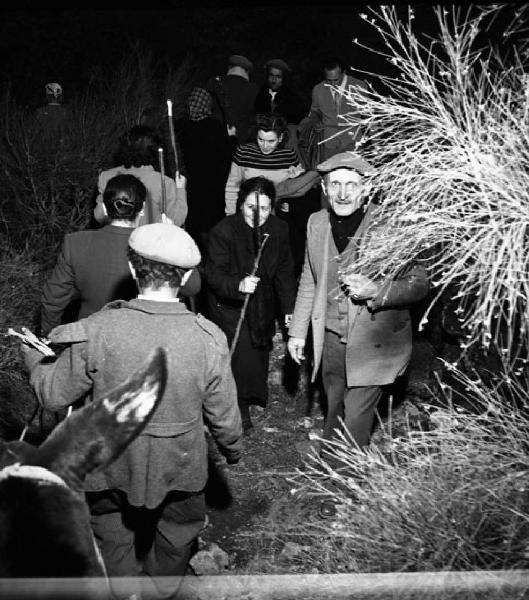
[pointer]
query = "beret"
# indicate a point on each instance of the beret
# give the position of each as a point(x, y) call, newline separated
point(346, 160)
point(278, 63)
point(237, 60)
point(165, 243)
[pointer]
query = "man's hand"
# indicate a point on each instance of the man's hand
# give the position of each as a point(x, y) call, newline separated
point(232, 130)
point(180, 181)
point(359, 287)
point(294, 171)
point(166, 219)
point(248, 284)
point(296, 347)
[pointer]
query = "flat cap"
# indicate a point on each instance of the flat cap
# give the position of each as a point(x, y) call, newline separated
point(165, 243)
point(237, 60)
point(278, 63)
point(346, 160)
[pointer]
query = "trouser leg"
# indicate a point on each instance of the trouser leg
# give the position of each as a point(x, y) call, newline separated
point(181, 518)
point(355, 405)
point(333, 378)
point(360, 405)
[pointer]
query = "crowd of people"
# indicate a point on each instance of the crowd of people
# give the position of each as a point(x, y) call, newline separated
point(252, 232)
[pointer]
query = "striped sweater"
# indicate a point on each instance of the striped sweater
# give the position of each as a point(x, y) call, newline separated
point(249, 161)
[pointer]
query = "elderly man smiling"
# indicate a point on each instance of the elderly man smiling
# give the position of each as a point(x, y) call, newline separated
point(363, 339)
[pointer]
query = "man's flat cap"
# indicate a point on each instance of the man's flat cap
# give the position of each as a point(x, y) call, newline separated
point(346, 160)
point(165, 243)
point(278, 63)
point(236, 60)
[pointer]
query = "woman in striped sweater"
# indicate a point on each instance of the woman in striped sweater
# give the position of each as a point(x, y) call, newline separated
point(265, 157)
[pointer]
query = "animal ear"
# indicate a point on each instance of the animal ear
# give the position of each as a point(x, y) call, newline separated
point(97, 434)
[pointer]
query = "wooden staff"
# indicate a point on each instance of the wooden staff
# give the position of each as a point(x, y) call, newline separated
point(171, 133)
point(162, 175)
point(247, 298)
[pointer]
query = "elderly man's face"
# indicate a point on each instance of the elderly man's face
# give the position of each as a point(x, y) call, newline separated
point(275, 78)
point(344, 189)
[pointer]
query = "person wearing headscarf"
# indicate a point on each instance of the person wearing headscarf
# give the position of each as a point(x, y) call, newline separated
point(207, 150)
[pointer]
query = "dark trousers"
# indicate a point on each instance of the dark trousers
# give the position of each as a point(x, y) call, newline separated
point(139, 541)
point(355, 405)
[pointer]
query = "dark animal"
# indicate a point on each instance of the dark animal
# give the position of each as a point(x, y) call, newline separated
point(44, 520)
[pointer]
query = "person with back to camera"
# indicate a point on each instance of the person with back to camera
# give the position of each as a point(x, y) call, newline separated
point(137, 154)
point(233, 246)
point(92, 266)
point(234, 96)
point(154, 492)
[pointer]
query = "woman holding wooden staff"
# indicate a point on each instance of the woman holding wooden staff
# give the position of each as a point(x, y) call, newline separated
point(231, 276)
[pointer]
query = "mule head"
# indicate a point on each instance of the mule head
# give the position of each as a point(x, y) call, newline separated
point(97, 434)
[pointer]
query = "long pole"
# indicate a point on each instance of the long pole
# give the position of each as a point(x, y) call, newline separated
point(171, 134)
point(247, 298)
point(162, 175)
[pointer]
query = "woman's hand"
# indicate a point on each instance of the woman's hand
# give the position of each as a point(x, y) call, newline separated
point(180, 181)
point(248, 284)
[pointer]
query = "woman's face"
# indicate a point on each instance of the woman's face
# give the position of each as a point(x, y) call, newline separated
point(249, 206)
point(268, 141)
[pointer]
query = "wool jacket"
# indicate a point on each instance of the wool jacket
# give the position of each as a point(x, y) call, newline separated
point(379, 340)
point(106, 348)
point(230, 258)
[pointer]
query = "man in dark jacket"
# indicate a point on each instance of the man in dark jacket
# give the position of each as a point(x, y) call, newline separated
point(275, 96)
point(159, 480)
point(92, 266)
point(234, 97)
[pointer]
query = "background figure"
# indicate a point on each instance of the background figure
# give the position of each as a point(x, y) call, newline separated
point(137, 155)
point(207, 151)
point(324, 116)
point(92, 267)
point(275, 96)
point(53, 116)
point(234, 96)
point(233, 245)
point(154, 491)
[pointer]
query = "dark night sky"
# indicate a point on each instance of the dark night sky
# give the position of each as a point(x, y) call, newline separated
point(63, 44)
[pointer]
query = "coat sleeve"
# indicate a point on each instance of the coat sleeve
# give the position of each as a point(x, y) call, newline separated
point(412, 287)
point(297, 186)
point(221, 411)
point(58, 291)
point(305, 296)
point(284, 278)
point(232, 188)
point(176, 203)
point(222, 282)
point(62, 382)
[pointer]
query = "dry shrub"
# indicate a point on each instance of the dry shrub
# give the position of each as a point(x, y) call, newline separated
point(451, 144)
point(453, 496)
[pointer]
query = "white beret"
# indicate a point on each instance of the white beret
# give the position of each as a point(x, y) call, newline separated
point(346, 160)
point(165, 243)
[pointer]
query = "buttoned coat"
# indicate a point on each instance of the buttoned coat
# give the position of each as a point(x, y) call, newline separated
point(379, 341)
point(104, 349)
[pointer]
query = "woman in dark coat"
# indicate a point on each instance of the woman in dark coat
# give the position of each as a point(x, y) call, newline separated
point(207, 151)
point(232, 249)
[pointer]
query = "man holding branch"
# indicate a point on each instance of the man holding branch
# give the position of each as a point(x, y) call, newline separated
point(361, 338)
